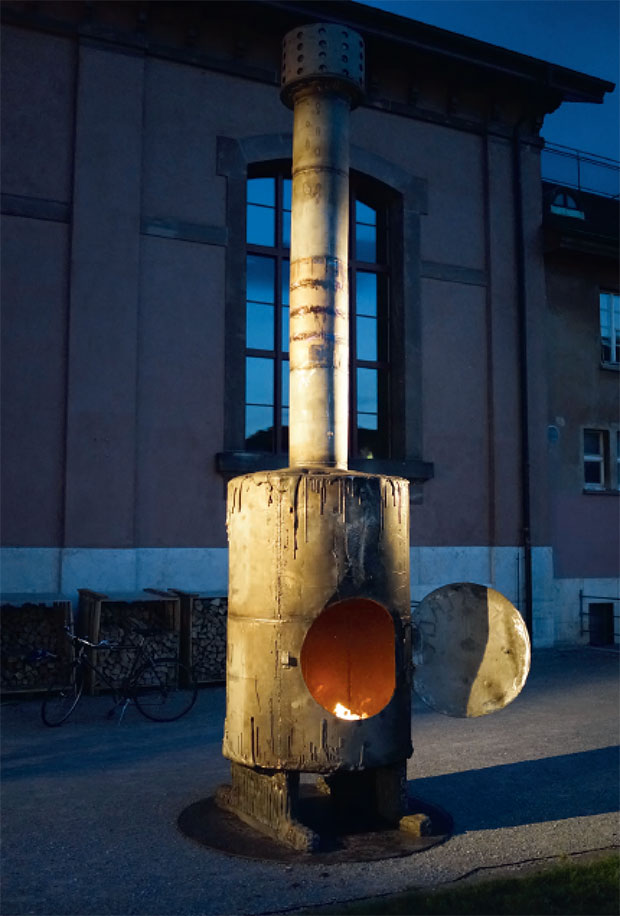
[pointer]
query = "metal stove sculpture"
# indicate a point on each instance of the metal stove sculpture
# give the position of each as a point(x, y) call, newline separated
point(319, 666)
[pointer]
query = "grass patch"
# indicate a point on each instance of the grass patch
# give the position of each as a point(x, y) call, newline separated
point(587, 889)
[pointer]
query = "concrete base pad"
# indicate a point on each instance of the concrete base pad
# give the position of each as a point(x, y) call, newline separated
point(208, 824)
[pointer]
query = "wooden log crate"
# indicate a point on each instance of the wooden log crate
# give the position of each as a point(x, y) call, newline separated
point(34, 647)
point(203, 635)
point(111, 617)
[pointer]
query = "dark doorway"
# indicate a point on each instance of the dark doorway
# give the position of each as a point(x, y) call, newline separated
point(601, 627)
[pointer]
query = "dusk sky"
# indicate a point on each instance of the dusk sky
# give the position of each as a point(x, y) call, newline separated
point(580, 34)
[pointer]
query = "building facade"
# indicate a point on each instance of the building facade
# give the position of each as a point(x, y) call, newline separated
point(580, 232)
point(145, 202)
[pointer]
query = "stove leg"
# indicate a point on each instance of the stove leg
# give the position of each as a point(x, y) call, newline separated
point(379, 794)
point(267, 800)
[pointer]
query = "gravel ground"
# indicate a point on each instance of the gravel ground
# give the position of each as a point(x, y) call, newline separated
point(89, 809)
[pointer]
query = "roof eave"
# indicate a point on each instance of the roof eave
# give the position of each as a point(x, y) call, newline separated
point(570, 85)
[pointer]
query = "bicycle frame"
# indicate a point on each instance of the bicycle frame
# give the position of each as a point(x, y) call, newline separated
point(161, 688)
point(123, 692)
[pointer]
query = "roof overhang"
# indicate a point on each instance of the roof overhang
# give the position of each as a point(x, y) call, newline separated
point(560, 82)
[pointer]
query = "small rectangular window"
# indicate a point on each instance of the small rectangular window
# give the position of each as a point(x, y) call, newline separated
point(610, 328)
point(594, 459)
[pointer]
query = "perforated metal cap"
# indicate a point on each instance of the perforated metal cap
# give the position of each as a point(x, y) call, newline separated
point(326, 52)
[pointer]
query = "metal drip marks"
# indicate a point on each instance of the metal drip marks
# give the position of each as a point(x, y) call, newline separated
point(301, 481)
point(311, 495)
point(394, 492)
point(319, 486)
point(235, 493)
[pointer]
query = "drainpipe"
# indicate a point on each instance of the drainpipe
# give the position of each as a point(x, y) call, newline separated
point(322, 79)
point(523, 374)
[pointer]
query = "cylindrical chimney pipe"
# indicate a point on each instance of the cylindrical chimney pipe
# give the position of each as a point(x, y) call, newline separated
point(322, 79)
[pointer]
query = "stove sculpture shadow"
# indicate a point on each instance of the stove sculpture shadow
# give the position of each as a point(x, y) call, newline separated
point(344, 835)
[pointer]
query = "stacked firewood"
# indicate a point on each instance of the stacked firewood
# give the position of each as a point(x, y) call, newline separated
point(125, 626)
point(34, 647)
point(209, 619)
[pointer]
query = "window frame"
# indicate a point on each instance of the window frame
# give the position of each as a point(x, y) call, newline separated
point(614, 330)
point(235, 157)
point(599, 458)
point(279, 253)
point(365, 190)
point(381, 267)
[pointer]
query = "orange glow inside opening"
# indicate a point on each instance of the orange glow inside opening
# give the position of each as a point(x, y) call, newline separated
point(348, 658)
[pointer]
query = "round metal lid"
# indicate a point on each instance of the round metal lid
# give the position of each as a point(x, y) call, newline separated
point(471, 650)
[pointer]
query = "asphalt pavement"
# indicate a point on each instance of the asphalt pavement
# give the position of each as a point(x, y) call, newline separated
point(89, 810)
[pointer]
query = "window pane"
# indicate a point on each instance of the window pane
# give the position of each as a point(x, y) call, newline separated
point(262, 191)
point(285, 330)
point(610, 327)
point(284, 431)
point(261, 225)
point(286, 229)
point(366, 293)
point(286, 282)
point(367, 391)
point(591, 442)
point(286, 279)
point(259, 326)
point(369, 443)
point(287, 191)
point(365, 214)
point(365, 243)
point(261, 274)
point(285, 379)
point(258, 380)
point(366, 339)
point(259, 428)
point(605, 315)
point(592, 471)
point(367, 421)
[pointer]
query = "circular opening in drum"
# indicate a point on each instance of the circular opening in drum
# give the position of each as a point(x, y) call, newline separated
point(348, 658)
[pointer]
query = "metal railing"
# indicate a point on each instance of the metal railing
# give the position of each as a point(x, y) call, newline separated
point(573, 168)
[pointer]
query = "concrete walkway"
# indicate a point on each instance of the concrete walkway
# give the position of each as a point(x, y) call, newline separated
point(89, 809)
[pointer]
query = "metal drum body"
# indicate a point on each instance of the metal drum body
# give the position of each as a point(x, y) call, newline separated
point(318, 602)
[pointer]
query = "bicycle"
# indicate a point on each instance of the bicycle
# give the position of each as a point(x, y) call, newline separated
point(162, 689)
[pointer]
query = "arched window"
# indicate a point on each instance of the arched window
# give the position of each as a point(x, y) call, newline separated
point(385, 331)
point(268, 227)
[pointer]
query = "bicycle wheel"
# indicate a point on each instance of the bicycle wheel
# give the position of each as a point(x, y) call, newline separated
point(62, 697)
point(164, 689)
